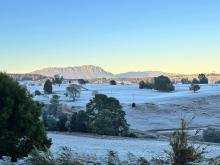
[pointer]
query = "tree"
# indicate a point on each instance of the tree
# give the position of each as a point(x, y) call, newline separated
point(73, 91)
point(79, 122)
point(61, 124)
point(141, 84)
point(185, 81)
point(37, 93)
point(57, 79)
point(203, 79)
point(20, 126)
point(48, 87)
point(113, 82)
point(106, 116)
point(82, 81)
point(194, 87)
point(163, 83)
point(145, 85)
point(195, 81)
point(55, 100)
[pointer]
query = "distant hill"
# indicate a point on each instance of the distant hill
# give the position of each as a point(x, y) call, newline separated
point(76, 72)
point(90, 72)
point(142, 74)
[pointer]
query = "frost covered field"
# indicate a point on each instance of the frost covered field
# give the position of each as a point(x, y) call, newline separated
point(155, 111)
point(100, 145)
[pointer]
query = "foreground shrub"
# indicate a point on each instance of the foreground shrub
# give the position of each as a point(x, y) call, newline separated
point(20, 125)
point(182, 152)
point(211, 135)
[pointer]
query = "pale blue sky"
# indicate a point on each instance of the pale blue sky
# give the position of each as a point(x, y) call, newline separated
point(118, 35)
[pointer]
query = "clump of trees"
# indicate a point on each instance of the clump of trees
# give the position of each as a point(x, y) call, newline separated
point(57, 79)
point(160, 83)
point(82, 81)
point(20, 127)
point(113, 82)
point(163, 83)
point(185, 81)
point(194, 87)
point(48, 88)
point(145, 85)
point(105, 116)
point(202, 79)
point(79, 122)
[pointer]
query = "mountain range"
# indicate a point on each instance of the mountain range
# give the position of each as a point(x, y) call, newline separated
point(90, 72)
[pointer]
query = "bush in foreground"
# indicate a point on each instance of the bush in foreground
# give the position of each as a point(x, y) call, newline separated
point(182, 152)
point(20, 126)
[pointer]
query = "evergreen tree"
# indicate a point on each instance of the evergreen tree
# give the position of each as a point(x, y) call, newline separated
point(195, 81)
point(141, 84)
point(163, 83)
point(113, 82)
point(79, 122)
point(203, 79)
point(61, 124)
point(106, 116)
point(48, 87)
point(20, 126)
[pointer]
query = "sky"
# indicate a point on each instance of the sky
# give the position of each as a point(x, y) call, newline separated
point(179, 36)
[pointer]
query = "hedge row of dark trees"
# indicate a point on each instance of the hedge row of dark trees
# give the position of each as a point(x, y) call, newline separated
point(161, 83)
point(20, 125)
point(202, 79)
point(57, 79)
point(103, 115)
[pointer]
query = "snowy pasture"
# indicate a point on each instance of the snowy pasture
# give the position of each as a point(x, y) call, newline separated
point(99, 146)
point(155, 110)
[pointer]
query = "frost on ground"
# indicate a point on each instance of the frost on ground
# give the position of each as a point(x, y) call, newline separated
point(100, 145)
point(155, 110)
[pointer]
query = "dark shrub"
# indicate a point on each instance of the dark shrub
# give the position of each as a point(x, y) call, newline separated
point(48, 87)
point(194, 87)
point(37, 93)
point(113, 82)
point(211, 135)
point(203, 79)
point(163, 83)
point(133, 105)
point(195, 81)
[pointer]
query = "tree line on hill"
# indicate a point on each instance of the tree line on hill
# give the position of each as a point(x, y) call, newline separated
point(160, 83)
